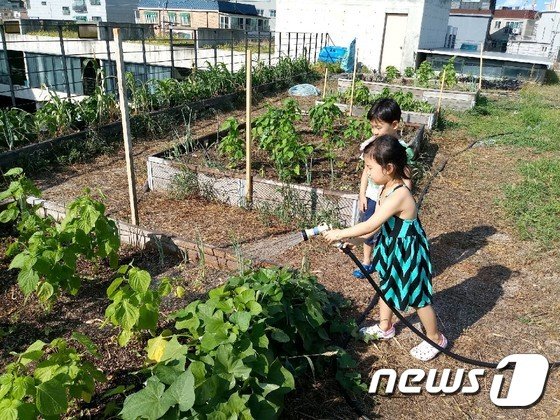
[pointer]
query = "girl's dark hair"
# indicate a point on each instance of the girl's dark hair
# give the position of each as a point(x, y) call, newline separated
point(386, 110)
point(387, 149)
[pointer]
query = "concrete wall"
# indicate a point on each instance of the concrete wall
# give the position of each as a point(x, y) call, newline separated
point(470, 29)
point(365, 20)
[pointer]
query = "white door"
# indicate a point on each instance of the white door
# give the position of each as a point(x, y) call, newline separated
point(393, 40)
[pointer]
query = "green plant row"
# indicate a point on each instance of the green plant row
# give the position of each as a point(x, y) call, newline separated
point(406, 100)
point(236, 354)
point(59, 116)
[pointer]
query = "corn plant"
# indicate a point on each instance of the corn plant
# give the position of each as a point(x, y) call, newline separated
point(98, 109)
point(55, 117)
point(48, 379)
point(232, 146)
point(134, 306)
point(16, 127)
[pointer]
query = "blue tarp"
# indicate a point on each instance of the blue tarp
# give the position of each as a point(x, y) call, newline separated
point(347, 63)
point(331, 54)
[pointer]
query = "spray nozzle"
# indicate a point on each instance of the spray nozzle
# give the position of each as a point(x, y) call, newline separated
point(317, 230)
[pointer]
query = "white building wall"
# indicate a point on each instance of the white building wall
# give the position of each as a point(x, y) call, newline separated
point(433, 27)
point(364, 20)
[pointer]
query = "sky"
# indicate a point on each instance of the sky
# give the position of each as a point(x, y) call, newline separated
point(522, 4)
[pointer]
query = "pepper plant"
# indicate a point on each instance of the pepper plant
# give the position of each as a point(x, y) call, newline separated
point(424, 74)
point(232, 145)
point(276, 133)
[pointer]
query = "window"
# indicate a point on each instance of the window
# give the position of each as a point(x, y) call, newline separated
point(80, 18)
point(186, 19)
point(43, 3)
point(260, 12)
point(65, 10)
point(96, 18)
point(172, 16)
point(151, 17)
point(272, 13)
point(95, 2)
point(498, 24)
point(224, 22)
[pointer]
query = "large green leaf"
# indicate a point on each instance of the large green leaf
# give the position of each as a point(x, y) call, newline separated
point(51, 398)
point(28, 280)
point(127, 315)
point(181, 392)
point(242, 319)
point(139, 280)
point(147, 403)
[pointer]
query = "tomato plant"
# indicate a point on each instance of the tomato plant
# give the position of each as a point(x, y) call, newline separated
point(233, 144)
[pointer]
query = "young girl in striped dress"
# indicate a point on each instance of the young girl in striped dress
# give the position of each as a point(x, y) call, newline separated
point(401, 256)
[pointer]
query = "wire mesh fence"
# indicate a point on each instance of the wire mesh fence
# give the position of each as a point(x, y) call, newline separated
point(40, 58)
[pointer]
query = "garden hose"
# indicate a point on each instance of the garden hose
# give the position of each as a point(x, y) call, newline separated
point(415, 330)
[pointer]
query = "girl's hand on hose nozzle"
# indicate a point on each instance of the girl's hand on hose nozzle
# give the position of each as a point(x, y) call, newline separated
point(332, 235)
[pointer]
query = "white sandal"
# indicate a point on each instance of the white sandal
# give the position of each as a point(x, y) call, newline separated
point(376, 333)
point(425, 351)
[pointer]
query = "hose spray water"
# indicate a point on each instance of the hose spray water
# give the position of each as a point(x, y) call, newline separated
point(314, 231)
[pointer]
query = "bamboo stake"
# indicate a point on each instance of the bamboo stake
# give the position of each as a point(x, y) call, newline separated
point(123, 102)
point(248, 175)
point(440, 93)
point(480, 74)
point(325, 84)
point(353, 81)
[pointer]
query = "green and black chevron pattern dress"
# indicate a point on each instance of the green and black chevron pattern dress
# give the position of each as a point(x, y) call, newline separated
point(402, 260)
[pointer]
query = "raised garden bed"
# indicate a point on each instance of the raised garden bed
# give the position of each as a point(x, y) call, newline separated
point(317, 194)
point(452, 99)
point(408, 117)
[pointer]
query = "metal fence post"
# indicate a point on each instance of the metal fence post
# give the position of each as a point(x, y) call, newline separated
point(215, 55)
point(315, 55)
point(269, 48)
point(246, 41)
point(289, 42)
point(279, 45)
point(297, 42)
point(258, 45)
point(144, 59)
point(309, 49)
point(172, 54)
point(109, 65)
point(304, 52)
point(8, 65)
point(195, 37)
point(64, 66)
point(232, 49)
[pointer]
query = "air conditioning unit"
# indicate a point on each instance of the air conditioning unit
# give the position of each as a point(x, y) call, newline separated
point(516, 31)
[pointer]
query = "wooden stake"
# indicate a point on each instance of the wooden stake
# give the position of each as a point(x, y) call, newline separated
point(440, 93)
point(353, 81)
point(123, 102)
point(325, 85)
point(248, 141)
point(480, 74)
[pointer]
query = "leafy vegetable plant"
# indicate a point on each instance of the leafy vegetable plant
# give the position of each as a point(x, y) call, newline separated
point(47, 379)
point(134, 306)
point(233, 144)
point(235, 355)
